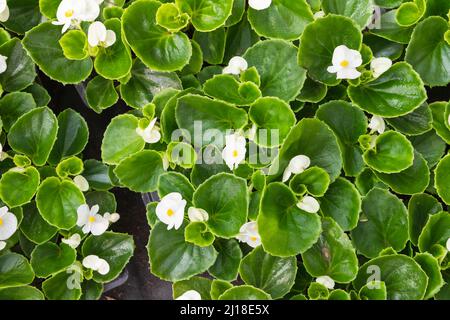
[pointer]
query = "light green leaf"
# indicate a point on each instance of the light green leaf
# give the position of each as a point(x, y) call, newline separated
point(206, 15)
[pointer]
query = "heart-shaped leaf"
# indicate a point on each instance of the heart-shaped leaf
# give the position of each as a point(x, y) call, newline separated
point(206, 15)
point(49, 258)
point(229, 256)
point(101, 94)
point(420, 207)
point(14, 105)
point(19, 187)
point(313, 180)
point(56, 288)
point(14, 270)
point(436, 231)
point(226, 88)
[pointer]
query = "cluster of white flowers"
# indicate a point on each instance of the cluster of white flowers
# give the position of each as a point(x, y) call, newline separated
point(8, 226)
point(92, 222)
point(71, 13)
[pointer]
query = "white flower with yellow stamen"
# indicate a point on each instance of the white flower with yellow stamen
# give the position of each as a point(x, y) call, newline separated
point(248, 233)
point(235, 149)
point(90, 221)
point(345, 61)
point(71, 12)
point(170, 210)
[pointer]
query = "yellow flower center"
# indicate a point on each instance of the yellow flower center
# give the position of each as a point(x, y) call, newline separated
point(69, 13)
point(253, 239)
point(170, 212)
point(1, 222)
point(91, 219)
point(344, 63)
point(235, 153)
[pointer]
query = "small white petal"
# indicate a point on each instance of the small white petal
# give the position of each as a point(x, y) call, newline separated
point(4, 14)
point(377, 124)
point(319, 14)
point(248, 233)
point(81, 183)
point(91, 262)
point(96, 33)
point(309, 204)
point(238, 63)
point(448, 244)
point(259, 4)
point(2, 245)
point(151, 134)
point(348, 73)
point(110, 38)
point(380, 66)
point(190, 295)
point(99, 226)
point(230, 70)
point(74, 240)
point(8, 225)
point(297, 165)
point(197, 215)
point(103, 267)
point(111, 217)
point(326, 281)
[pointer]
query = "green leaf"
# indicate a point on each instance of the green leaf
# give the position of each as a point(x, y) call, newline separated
point(169, 182)
point(396, 92)
point(403, 277)
point(181, 154)
point(49, 258)
point(342, 202)
point(313, 138)
point(170, 17)
point(285, 229)
point(382, 47)
point(74, 44)
point(373, 291)
point(226, 88)
point(229, 256)
point(43, 47)
point(72, 166)
point(430, 265)
point(196, 62)
point(167, 248)
point(384, 224)
point(438, 110)
point(115, 248)
point(58, 202)
point(140, 171)
point(158, 49)
point(101, 94)
point(430, 145)
point(20, 71)
point(225, 198)
point(212, 45)
point(104, 199)
point(389, 29)
point(277, 66)
point(56, 288)
point(273, 275)
point(23, 15)
point(206, 15)
point(360, 11)
point(34, 227)
point(245, 292)
point(314, 181)
point(409, 13)
point(392, 153)
point(97, 174)
point(348, 123)
point(339, 294)
point(145, 83)
point(414, 123)
point(312, 91)
point(199, 284)
point(19, 187)
point(442, 177)
point(318, 42)
point(236, 13)
point(91, 290)
point(21, 293)
point(284, 19)
point(213, 114)
point(218, 287)
point(115, 61)
point(413, 180)
point(198, 233)
point(420, 207)
point(34, 134)
point(332, 255)
point(272, 116)
point(40, 94)
point(239, 38)
point(49, 8)
point(120, 139)
point(436, 231)
point(13, 105)
point(428, 52)
point(73, 134)
point(14, 271)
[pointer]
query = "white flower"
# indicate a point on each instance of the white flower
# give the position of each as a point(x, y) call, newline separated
point(4, 12)
point(73, 241)
point(91, 221)
point(81, 183)
point(326, 281)
point(248, 233)
point(377, 124)
point(309, 204)
point(170, 210)
point(345, 61)
point(319, 14)
point(190, 295)
point(150, 134)
point(297, 165)
point(197, 215)
point(111, 217)
point(97, 264)
point(380, 66)
point(72, 12)
point(99, 36)
point(8, 223)
point(3, 65)
point(259, 4)
point(234, 151)
point(236, 66)
point(448, 244)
